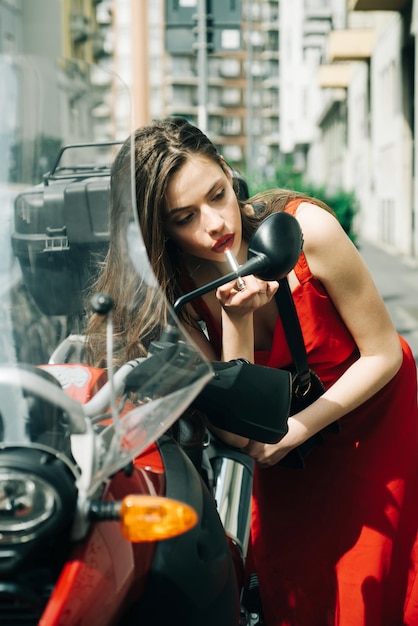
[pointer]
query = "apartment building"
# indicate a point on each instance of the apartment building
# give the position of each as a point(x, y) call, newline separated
point(33, 35)
point(263, 99)
point(366, 140)
point(328, 84)
point(257, 83)
point(238, 109)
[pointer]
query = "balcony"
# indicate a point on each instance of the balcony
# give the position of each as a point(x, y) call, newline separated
point(104, 14)
point(335, 76)
point(79, 27)
point(334, 109)
point(350, 45)
point(318, 13)
point(230, 68)
point(377, 5)
point(98, 43)
point(313, 41)
point(100, 77)
point(230, 97)
point(316, 26)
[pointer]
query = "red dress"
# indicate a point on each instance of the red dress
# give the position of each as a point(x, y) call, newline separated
point(335, 543)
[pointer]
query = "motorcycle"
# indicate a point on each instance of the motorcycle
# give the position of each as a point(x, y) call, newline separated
point(105, 517)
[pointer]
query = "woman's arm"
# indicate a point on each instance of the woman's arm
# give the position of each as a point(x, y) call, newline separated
point(202, 342)
point(237, 322)
point(335, 261)
point(238, 328)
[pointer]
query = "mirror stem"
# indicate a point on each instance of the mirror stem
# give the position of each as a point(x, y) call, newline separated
point(252, 266)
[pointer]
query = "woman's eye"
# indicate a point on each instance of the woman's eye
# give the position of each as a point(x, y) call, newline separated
point(184, 220)
point(219, 195)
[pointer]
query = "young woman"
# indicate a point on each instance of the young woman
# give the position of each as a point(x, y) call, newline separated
point(333, 543)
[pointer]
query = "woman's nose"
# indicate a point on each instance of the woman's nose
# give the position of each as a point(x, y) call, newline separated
point(214, 222)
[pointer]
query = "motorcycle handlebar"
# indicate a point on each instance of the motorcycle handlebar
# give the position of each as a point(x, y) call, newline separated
point(101, 401)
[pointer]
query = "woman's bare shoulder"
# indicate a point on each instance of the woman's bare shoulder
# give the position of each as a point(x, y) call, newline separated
point(330, 252)
point(318, 225)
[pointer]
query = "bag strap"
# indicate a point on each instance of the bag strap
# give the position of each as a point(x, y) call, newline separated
point(294, 337)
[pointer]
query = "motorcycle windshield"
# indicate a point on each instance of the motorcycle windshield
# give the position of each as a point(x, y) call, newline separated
point(58, 141)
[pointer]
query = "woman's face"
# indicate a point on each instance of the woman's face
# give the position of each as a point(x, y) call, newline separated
point(203, 216)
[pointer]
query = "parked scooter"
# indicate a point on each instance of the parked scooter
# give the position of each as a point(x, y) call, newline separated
point(105, 517)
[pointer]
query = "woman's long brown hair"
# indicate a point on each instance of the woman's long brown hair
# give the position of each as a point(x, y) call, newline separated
point(160, 150)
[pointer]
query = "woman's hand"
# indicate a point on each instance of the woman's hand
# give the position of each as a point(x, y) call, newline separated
point(256, 294)
point(268, 454)
point(238, 307)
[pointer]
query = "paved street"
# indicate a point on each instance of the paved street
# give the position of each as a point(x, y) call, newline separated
point(397, 280)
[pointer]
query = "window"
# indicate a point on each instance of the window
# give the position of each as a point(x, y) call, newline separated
point(231, 96)
point(230, 68)
point(232, 154)
point(231, 126)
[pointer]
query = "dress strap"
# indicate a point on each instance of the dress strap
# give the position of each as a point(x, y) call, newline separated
point(302, 270)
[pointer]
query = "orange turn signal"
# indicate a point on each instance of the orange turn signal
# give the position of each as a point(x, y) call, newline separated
point(152, 518)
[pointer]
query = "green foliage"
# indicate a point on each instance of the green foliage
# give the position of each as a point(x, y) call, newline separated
point(342, 202)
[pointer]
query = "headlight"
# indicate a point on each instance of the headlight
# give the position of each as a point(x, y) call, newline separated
point(26, 502)
point(38, 498)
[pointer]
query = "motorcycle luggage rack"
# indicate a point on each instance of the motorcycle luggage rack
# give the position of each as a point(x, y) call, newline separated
point(59, 251)
point(61, 172)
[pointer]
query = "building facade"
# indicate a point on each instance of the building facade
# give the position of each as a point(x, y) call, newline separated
point(49, 53)
point(367, 127)
point(326, 84)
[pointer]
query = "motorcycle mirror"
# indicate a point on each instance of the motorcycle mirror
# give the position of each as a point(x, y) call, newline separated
point(276, 246)
point(273, 251)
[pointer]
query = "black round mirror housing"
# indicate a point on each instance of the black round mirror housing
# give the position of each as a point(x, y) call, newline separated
point(273, 251)
point(277, 243)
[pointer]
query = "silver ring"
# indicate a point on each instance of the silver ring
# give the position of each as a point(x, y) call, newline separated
point(240, 284)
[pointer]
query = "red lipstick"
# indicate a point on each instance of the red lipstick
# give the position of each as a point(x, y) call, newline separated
point(223, 243)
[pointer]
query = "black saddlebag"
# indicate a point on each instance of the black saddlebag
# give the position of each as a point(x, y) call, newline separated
point(61, 233)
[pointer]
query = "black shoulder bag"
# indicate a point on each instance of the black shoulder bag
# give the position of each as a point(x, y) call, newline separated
point(255, 401)
point(306, 385)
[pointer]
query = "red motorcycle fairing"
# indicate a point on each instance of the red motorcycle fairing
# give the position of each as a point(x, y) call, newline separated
point(189, 579)
point(193, 577)
point(105, 574)
point(54, 236)
point(79, 381)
